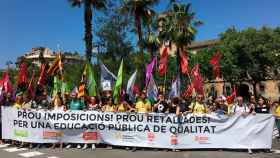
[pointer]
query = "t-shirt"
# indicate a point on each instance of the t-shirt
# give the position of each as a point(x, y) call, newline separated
point(239, 109)
point(109, 108)
point(77, 105)
point(198, 108)
point(143, 106)
point(18, 106)
point(162, 107)
point(262, 110)
point(122, 108)
point(277, 111)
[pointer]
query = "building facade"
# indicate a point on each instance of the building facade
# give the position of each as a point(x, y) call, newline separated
point(49, 55)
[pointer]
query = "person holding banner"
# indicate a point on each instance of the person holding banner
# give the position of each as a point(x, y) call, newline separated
point(143, 105)
point(242, 108)
point(262, 108)
point(161, 106)
point(277, 116)
point(76, 104)
point(174, 106)
point(109, 107)
point(198, 107)
point(6, 100)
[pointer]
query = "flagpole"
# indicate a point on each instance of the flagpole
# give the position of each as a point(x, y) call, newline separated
point(164, 84)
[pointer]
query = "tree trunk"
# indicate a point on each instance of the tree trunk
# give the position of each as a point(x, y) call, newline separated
point(141, 49)
point(179, 64)
point(88, 29)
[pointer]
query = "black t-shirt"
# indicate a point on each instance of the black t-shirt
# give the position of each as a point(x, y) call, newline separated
point(162, 107)
point(184, 107)
point(262, 110)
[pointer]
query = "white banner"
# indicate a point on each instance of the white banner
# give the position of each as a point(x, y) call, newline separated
point(142, 130)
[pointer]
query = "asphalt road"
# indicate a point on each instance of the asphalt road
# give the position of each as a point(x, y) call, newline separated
point(12, 152)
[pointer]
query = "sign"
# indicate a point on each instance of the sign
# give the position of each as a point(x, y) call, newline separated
point(106, 85)
point(138, 129)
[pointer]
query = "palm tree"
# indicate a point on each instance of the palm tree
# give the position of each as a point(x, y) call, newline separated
point(179, 27)
point(89, 6)
point(140, 10)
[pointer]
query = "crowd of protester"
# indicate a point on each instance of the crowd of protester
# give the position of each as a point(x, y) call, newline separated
point(104, 102)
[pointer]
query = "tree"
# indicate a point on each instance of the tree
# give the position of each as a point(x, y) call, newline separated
point(178, 26)
point(140, 10)
point(255, 53)
point(89, 5)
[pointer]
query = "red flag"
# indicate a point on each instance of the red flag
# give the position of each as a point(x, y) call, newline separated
point(163, 62)
point(197, 80)
point(188, 91)
point(232, 96)
point(42, 78)
point(30, 86)
point(136, 89)
point(7, 86)
point(216, 65)
point(184, 62)
point(22, 79)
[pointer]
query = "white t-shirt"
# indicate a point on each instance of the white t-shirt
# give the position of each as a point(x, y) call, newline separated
point(240, 109)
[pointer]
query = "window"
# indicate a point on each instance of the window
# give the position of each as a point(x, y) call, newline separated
point(228, 90)
point(262, 88)
point(213, 91)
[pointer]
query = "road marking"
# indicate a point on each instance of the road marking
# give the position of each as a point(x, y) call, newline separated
point(15, 149)
point(275, 151)
point(31, 154)
point(4, 145)
point(52, 157)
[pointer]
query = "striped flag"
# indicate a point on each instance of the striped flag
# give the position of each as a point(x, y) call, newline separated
point(56, 66)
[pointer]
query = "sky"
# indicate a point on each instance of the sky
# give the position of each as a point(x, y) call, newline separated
point(25, 24)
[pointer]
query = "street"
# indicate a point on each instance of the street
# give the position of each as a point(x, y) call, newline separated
point(13, 152)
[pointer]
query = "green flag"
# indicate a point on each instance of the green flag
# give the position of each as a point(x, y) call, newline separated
point(91, 84)
point(57, 84)
point(118, 84)
point(65, 88)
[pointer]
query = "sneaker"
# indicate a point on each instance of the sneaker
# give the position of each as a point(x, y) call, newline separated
point(93, 147)
point(85, 147)
point(250, 151)
point(30, 146)
point(133, 149)
point(79, 146)
point(68, 146)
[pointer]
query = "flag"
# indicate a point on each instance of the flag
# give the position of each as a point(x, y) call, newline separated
point(65, 88)
point(6, 83)
point(90, 81)
point(22, 78)
point(107, 78)
point(152, 90)
point(118, 85)
point(130, 85)
point(56, 86)
point(30, 85)
point(42, 77)
point(230, 98)
point(1, 89)
point(184, 62)
point(197, 80)
point(56, 66)
point(188, 91)
point(163, 62)
point(175, 88)
point(81, 91)
point(149, 70)
point(216, 65)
